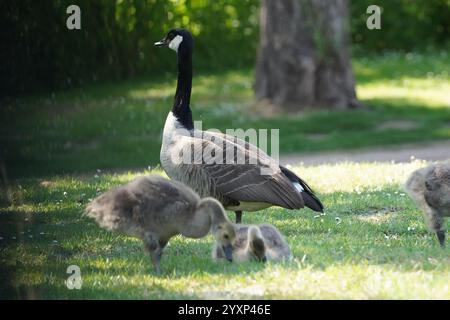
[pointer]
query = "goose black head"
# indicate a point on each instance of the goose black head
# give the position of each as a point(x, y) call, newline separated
point(177, 40)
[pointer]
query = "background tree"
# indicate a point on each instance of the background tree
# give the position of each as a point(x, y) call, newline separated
point(116, 37)
point(304, 55)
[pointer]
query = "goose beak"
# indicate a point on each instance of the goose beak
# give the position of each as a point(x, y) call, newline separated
point(228, 250)
point(162, 43)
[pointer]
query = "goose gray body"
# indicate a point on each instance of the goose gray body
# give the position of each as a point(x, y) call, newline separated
point(237, 186)
point(241, 176)
point(256, 243)
point(429, 187)
point(155, 209)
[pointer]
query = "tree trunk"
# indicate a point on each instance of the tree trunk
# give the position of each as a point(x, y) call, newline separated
point(304, 57)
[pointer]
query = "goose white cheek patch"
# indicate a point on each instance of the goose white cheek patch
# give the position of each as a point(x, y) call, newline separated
point(175, 43)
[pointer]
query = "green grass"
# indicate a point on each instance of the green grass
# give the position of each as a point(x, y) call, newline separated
point(119, 125)
point(60, 150)
point(379, 248)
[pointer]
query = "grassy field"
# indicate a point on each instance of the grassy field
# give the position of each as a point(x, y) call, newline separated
point(58, 151)
point(370, 243)
point(119, 125)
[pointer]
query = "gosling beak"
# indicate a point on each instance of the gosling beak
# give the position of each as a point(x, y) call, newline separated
point(228, 250)
point(162, 43)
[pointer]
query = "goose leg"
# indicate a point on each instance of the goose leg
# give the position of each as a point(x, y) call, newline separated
point(156, 258)
point(441, 237)
point(152, 246)
point(437, 224)
point(238, 216)
point(162, 245)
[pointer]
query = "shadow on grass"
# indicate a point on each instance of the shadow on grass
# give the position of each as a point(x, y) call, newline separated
point(120, 140)
point(114, 126)
point(36, 267)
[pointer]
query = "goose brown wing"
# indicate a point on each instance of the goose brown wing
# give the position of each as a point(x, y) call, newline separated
point(245, 183)
point(249, 175)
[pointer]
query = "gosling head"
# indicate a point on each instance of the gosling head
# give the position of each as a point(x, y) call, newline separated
point(437, 188)
point(225, 236)
point(221, 227)
point(256, 243)
point(179, 40)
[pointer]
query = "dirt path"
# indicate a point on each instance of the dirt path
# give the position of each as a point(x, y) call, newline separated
point(431, 152)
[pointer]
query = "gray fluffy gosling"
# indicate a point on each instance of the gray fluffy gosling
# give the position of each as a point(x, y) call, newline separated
point(430, 188)
point(256, 243)
point(155, 209)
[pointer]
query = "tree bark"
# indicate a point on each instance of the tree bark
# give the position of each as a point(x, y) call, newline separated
point(304, 55)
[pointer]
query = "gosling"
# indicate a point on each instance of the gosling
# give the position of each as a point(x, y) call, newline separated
point(430, 188)
point(256, 243)
point(155, 209)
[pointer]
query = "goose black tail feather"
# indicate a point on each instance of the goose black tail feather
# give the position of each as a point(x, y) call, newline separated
point(310, 199)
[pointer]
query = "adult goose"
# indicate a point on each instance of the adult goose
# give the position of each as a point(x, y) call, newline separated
point(189, 155)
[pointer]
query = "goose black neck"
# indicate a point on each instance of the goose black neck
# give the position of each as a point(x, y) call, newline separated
point(181, 108)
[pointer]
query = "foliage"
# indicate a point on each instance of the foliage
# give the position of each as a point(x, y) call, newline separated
point(405, 25)
point(116, 39)
point(117, 36)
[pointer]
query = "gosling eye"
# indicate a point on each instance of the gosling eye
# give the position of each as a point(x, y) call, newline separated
point(226, 236)
point(428, 186)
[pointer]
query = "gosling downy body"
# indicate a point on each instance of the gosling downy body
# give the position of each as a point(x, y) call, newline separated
point(430, 189)
point(256, 243)
point(241, 176)
point(155, 209)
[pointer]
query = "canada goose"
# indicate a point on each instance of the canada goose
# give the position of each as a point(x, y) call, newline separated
point(238, 185)
point(260, 243)
point(430, 188)
point(154, 209)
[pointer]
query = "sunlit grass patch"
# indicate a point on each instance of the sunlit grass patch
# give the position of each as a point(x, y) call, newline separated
point(358, 177)
point(427, 93)
point(420, 80)
point(371, 243)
